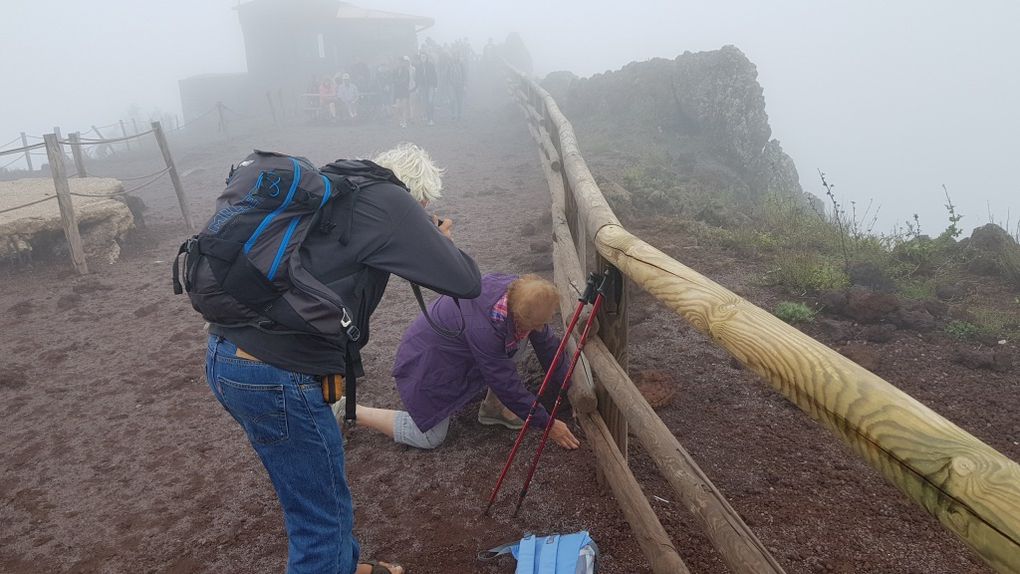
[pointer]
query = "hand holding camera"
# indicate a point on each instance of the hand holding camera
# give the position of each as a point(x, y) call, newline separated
point(445, 226)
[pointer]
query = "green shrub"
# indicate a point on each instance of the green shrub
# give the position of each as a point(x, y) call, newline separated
point(917, 289)
point(794, 312)
point(808, 273)
point(962, 330)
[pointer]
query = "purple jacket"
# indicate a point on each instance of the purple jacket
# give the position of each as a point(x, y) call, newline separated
point(436, 376)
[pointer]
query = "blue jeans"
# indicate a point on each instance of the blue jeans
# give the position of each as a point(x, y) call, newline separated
point(295, 434)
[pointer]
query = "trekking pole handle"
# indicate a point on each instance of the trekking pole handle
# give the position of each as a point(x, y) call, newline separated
point(595, 285)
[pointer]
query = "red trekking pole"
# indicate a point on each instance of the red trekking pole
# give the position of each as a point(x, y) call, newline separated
point(583, 300)
point(563, 391)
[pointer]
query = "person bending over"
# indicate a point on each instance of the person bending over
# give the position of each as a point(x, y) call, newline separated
point(270, 383)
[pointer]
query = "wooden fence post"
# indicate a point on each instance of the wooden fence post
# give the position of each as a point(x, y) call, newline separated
point(272, 108)
point(28, 152)
point(221, 127)
point(79, 160)
point(67, 217)
point(123, 131)
point(174, 178)
point(613, 332)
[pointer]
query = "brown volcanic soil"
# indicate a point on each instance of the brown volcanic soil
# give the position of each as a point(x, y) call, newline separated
point(116, 458)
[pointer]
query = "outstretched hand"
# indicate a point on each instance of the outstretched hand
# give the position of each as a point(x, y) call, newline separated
point(561, 435)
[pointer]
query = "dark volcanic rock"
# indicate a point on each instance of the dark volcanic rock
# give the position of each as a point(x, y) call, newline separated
point(868, 306)
point(978, 358)
point(836, 331)
point(992, 251)
point(917, 319)
point(937, 308)
point(950, 292)
point(864, 355)
point(879, 333)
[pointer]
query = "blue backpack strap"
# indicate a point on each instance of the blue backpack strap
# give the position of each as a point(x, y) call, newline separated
point(548, 552)
point(497, 551)
point(569, 550)
point(527, 562)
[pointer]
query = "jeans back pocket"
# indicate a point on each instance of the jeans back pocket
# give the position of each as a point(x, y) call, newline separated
point(261, 408)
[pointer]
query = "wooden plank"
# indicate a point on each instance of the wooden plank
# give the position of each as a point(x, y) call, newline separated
point(723, 524)
point(570, 282)
point(67, 217)
point(648, 531)
point(164, 149)
point(613, 332)
point(972, 489)
point(79, 160)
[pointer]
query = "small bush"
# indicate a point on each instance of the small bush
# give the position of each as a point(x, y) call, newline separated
point(917, 289)
point(962, 330)
point(794, 313)
point(808, 273)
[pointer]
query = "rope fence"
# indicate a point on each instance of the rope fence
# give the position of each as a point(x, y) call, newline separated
point(154, 178)
point(22, 149)
point(107, 141)
point(29, 204)
point(57, 159)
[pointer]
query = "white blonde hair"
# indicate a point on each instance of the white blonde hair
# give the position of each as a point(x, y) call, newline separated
point(413, 166)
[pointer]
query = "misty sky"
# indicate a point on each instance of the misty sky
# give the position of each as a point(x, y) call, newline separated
point(890, 99)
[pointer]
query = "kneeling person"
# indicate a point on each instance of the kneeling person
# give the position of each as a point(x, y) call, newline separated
point(436, 376)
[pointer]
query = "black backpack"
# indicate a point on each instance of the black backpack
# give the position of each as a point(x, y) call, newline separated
point(245, 267)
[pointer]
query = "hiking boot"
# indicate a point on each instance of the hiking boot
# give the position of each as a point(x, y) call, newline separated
point(503, 417)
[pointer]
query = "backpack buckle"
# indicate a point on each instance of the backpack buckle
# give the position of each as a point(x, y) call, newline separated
point(353, 333)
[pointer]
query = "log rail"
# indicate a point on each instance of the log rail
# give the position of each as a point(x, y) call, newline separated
point(972, 489)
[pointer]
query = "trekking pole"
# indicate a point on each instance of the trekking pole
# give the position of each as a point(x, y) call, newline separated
point(584, 299)
point(563, 391)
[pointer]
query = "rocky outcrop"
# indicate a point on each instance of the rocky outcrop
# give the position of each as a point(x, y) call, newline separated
point(991, 250)
point(705, 111)
point(36, 230)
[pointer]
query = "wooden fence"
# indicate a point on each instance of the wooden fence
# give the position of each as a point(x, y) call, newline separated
point(972, 489)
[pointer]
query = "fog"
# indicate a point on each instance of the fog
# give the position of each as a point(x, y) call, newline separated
point(890, 100)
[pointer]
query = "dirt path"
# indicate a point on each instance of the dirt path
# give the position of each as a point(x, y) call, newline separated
point(116, 458)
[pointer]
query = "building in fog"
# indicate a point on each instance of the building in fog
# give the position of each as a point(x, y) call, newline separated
point(289, 42)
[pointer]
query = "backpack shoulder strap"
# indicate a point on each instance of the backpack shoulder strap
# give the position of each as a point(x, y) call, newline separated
point(527, 553)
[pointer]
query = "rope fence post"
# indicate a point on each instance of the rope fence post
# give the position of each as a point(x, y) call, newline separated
point(67, 217)
point(123, 131)
point(79, 160)
point(221, 127)
point(272, 108)
point(109, 147)
point(28, 152)
point(157, 129)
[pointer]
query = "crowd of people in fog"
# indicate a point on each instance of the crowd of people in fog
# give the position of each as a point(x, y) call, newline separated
point(420, 88)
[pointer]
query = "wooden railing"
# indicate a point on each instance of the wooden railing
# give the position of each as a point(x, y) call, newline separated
point(972, 489)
